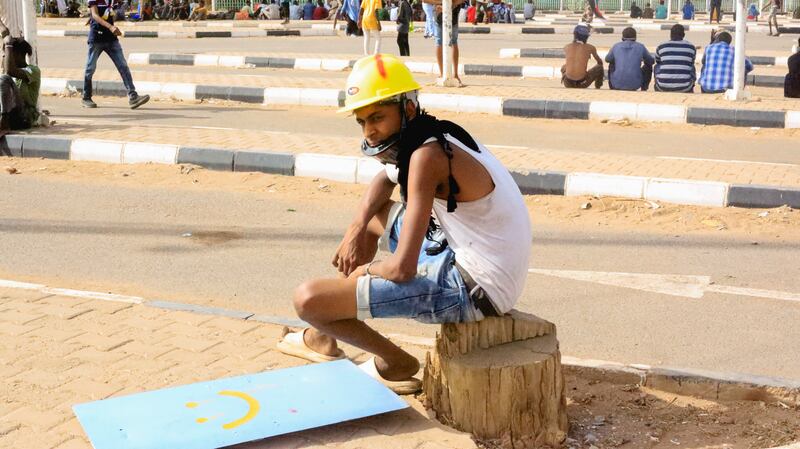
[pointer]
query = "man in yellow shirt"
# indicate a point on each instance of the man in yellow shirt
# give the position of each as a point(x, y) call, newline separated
point(368, 22)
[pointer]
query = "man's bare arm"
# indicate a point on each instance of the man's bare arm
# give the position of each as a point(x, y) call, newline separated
point(352, 250)
point(596, 56)
point(99, 19)
point(424, 172)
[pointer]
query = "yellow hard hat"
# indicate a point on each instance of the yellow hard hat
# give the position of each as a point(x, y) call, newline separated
point(375, 78)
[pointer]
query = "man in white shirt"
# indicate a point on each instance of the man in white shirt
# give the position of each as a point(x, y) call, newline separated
point(459, 241)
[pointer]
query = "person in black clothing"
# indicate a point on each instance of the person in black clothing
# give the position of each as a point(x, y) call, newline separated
point(636, 11)
point(716, 7)
point(791, 85)
point(103, 38)
point(403, 20)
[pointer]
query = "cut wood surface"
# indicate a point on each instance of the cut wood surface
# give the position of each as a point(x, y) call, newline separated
point(499, 379)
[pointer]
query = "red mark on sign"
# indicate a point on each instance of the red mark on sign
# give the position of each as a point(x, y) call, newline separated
point(291, 410)
point(381, 68)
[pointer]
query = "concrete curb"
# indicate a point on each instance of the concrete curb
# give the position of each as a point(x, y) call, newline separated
point(530, 108)
point(685, 381)
point(360, 170)
point(557, 53)
point(339, 65)
point(197, 34)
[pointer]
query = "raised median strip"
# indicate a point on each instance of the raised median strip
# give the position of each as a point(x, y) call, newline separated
point(529, 108)
point(351, 169)
point(197, 34)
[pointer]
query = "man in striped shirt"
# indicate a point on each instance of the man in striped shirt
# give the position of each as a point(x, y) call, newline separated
point(675, 70)
point(717, 74)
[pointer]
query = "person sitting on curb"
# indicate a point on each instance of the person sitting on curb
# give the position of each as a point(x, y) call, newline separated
point(636, 11)
point(674, 70)
point(648, 12)
point(574, 73)
point(19, 85)
point(529, 10)
point(716, 75)
point(630, 64)
point(459, 240)
point(200, 12)
point(791, 85)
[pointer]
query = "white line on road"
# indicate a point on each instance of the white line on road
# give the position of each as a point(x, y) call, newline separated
point(687, 286)
point(755, 292)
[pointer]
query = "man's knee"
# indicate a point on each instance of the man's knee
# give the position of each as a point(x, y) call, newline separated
point(307, 300)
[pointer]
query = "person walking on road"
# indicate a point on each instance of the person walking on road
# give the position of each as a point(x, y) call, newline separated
point(459, 239)
point(104, 38)
point(774, 8)
point(368, 22)
point(403, 22)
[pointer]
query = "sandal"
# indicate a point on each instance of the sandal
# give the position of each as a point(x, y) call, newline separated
point(294, 344)
point(410, 386)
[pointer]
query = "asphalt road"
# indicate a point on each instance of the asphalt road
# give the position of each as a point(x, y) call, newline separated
point(249, 249)
point(690, 141)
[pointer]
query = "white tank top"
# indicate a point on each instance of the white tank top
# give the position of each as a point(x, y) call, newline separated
point(491, 236)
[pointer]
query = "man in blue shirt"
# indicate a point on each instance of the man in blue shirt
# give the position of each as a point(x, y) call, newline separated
point(103, 38)
point(630, 63)
point(688, 10)
point(717, 74)
point(308, 10)
point(675, 70)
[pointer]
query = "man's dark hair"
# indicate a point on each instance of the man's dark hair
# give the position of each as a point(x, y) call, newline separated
point(660, 2)
point(629, 34)
point(20, 45)
point(677, 32)
point(724, 36)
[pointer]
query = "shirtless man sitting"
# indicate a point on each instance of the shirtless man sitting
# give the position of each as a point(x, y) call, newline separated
point(574, 73)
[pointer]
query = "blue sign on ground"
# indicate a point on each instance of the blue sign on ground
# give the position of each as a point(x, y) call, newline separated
point(224, 412)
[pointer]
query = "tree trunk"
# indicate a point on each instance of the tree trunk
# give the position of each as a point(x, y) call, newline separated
point(499, 379)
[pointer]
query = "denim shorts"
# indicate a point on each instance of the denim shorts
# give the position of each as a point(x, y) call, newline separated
point(437, 293)
point(438, 34)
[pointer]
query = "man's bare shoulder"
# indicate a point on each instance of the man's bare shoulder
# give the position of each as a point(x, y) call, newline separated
point(428, 160)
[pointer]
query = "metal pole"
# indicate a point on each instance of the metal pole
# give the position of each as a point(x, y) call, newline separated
point(447, 55)
point(669, 9)
point(621, 6)
point(213, 5)
point(29, 28)
point(738, 92)
point(560, 5)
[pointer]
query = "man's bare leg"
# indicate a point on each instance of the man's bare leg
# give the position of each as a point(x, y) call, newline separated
point(455, 62)
point(329, 305)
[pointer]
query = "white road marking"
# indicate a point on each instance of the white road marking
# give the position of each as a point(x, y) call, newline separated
point(670, 284)
point(69, 292)
point(754, 292)
point(153, 125)
point(687, 286)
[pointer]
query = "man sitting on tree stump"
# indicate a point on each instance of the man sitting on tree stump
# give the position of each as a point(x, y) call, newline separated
point(459, 240)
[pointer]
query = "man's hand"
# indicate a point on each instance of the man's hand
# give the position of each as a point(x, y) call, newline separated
point(114, 29)
point(352, 252)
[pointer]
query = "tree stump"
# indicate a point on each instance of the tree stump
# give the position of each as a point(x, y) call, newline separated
point(499, 379)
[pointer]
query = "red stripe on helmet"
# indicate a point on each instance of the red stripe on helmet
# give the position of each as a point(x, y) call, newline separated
point(381, 67)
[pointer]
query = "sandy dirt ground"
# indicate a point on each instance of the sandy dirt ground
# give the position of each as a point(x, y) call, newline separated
point(758, 225)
